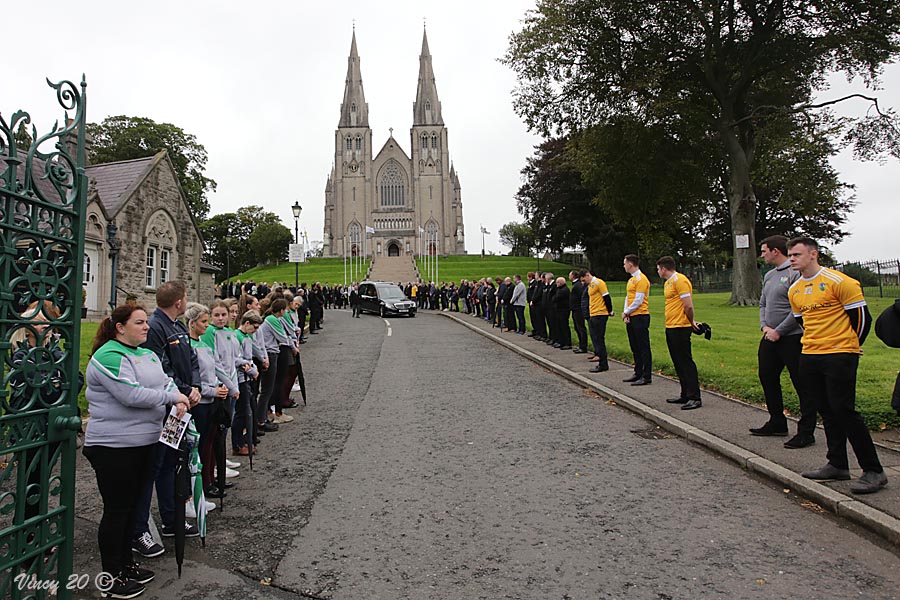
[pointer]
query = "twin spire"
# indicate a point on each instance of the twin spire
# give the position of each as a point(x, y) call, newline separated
point(426, 108)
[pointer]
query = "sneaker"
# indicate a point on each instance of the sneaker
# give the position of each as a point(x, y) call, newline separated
point(124, 588)
point(231, 473)
point(869, 483)
point(233, 464)
point(769, 429)
point(146, 547)
point(210, 505)
point(189, 531)
point(282, 418)
point(828, 472)
point(134, 572)
point(189, 511)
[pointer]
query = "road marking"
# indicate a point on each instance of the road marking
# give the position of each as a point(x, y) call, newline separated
point(386, 322)
point(389, 332)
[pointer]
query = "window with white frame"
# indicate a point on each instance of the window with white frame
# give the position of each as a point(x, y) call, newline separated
point(151, 267)
point(163, 265)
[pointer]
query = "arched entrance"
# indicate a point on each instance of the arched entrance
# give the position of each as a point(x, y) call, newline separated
point(393, 249)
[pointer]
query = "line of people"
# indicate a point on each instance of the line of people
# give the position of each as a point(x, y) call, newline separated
point(233, 365)
point(813, 322)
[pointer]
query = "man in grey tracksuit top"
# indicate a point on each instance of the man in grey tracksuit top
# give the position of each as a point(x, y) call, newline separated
point(780, 346)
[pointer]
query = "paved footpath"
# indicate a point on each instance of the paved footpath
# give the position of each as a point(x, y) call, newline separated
point(722, 426)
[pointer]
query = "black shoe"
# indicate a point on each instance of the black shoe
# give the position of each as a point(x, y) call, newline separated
point(643, 382)
point(565, 347)
point(189, 531)
point(769, 429)
point(632, 379)
point(692, 404)
point(145, 546)
point(598, 369)
point(134, 572)
point(557, 345)
point(677, 400)
point(268, 426)
point(260, 432)
point(292, 405)
point(579, 351)
point(799, 441)
point(122, 587)
point(549, 342)
point(257, 441)
point(531, 335)
point(214, 492)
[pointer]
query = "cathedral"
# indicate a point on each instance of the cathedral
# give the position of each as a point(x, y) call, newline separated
point(392, 204)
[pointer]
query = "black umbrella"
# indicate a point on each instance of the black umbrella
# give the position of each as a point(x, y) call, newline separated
point(182, 493)
point(301, 380)
point(251, 427)
point(219, 449)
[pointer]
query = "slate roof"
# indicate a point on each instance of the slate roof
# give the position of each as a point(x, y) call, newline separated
point(43, 185)
point(208, 268)
point(115, 181)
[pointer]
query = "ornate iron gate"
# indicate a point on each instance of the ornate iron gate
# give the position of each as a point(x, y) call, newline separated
point(43, 191)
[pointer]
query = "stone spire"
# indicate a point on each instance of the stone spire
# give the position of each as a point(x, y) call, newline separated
point(427, 108)
point(354, 110)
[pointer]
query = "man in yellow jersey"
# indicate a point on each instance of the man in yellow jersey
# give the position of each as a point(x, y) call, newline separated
point(680, 324)
point(832, 310)
point(600, 310)
point(637, 321)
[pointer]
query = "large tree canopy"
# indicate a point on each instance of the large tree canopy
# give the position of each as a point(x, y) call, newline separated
point(722, 72)
point(228, 236)
point(127, 138)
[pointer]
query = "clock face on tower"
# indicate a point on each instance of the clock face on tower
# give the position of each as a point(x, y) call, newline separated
point(354, 168)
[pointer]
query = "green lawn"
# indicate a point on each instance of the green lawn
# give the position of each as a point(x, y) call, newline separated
point(474, 267)
point(323, 270)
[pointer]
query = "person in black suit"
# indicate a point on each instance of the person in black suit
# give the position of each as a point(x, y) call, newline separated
point(509, 314)
point(533, 298)
point(354, 300)
point(560, 300)
point(547, 292)
point(575, 300)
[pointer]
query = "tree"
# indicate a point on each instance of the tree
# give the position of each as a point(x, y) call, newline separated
point(726, 70)
point(519, 237)
point(126, 138)
point(269, 242)
point(560, 210)
point(227, 238)
point(23, 138)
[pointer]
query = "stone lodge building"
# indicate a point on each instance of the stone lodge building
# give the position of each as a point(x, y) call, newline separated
point(413, 204)
point(140, 204)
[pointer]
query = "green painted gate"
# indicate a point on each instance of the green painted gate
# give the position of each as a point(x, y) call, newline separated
point(43, 191)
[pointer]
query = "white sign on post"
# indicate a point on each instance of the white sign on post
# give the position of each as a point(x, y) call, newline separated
point(296, 253)
point(742, 241)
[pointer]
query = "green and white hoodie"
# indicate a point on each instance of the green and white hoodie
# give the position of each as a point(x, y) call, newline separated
point(128, 396)
point(226, 351)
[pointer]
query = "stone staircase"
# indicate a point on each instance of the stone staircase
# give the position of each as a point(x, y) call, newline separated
point(398, 269)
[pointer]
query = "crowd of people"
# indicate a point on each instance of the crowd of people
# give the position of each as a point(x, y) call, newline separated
point(232, 365)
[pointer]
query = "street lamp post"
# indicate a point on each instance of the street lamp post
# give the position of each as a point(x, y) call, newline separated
point(296, 208)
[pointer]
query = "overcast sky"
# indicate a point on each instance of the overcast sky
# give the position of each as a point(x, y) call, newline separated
point(260, 85)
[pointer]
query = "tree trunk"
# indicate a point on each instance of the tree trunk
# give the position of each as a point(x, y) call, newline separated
point(746, 283)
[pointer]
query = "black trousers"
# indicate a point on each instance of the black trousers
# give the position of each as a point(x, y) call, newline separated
point(638, 330)
point(561, 329)
point(773, 358)
point(537, 321)
point(550, 320)
point(678, 339)
point(597, 326)
point(580, 329)
point(519, 313)
point(831, 380)
point(509, 316)
point(122, 474)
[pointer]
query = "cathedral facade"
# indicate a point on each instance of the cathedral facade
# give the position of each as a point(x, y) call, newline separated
point(392, 204)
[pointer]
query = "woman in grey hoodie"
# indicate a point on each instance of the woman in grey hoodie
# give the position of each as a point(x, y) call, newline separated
point(128, 396)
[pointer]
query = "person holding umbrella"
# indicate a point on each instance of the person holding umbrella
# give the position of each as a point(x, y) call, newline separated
point(128, 395)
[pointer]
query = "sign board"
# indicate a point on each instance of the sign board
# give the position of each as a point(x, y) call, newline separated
point(296, 253)
point(742, 241)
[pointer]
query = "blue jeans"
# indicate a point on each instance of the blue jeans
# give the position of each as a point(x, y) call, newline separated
point(163, 473)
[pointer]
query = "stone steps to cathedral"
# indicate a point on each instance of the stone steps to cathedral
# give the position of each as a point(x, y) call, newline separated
point(393, 268)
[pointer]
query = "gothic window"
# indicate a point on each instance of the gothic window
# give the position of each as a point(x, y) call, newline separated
point(353, 107)
point(161, 246)
point(424, 141)
point(349, 143)
point(428, 105)
point(358, 142)
point(355, 233)
point(434, 140)
point(431, 238)
point(393, 186)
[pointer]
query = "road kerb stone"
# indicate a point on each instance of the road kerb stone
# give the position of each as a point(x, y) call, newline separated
point(869, 517)
point(817, 492)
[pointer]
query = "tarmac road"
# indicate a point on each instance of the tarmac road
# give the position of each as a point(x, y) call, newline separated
point(432, 463)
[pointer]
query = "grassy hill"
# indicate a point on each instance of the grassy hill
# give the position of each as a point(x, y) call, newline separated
point(316, 269)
